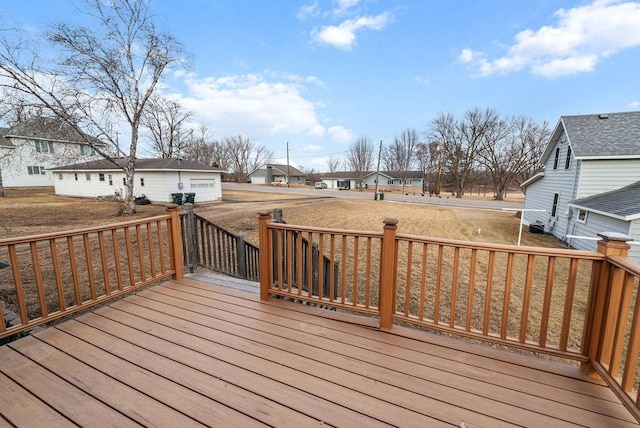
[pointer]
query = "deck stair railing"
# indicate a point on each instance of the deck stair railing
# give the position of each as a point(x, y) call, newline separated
point(579, 305)
point(212, 247)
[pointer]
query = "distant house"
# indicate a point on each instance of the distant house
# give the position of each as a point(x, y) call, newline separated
point(589, 183)
point(157, 179)
point(275, 173)
point(388, 180)
point(28, 150)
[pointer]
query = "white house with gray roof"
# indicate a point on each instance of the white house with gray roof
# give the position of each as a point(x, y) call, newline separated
point(589, 161)
point(29, 149)
point(157, 179)
point(276, 173)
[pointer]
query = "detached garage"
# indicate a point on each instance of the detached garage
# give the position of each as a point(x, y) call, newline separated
point(157, 179)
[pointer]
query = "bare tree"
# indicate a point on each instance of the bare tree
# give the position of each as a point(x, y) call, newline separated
point(511, 151)
point(360, 157)
point(334, 163)
point(202, 148)
point(400, 155)
point(245, 156)
point(164, 120)
point(462, 140)
point(536, 137)
point(103, 74)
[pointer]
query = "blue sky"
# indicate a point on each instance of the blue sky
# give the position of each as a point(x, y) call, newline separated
point(320, 73)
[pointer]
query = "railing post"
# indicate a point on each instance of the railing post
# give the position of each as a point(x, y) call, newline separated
point(240, 257)
point(266, 250)
point(191, 236)
point(600, 321)
point(388, 263)
point(177, 258)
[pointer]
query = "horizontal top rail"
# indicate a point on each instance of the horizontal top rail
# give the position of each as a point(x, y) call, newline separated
point(91, 229)
point(626, 263)
point(539, 251)
point(345, 232)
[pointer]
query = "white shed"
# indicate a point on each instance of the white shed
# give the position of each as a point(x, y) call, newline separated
point(157, 179)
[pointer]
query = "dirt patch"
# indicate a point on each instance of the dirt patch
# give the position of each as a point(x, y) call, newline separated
point(42, 213)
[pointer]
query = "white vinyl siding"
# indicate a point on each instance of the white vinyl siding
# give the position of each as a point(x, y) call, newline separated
point(598, 223)
point(599, 176)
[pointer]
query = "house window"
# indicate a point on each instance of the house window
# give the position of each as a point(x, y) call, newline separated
point(142, 182)
point(101, 176)
point(557, 158)
point(44, 146)
point(554, 207)
point(86, 150)
point(76, 176)
point(582, 216)
point(567, 161)
point(88, 176)
point(35, 170)
point(124, 181)
point(110, 180)
point(59, 176)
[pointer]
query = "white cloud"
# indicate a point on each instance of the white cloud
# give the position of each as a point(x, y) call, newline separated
point(311, 148)
point(343, 6)
point(343, 36)
point(634, 104)
point(582, 37)
point(251, 105)
point(340, 134)
point(421, 80)
point(307, 11)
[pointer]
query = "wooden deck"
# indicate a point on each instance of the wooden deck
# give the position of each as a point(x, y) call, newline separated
point(199, 353)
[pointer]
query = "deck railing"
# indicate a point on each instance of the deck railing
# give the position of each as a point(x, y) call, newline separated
point(210, 246)
point(50, 276)
point(578, 305)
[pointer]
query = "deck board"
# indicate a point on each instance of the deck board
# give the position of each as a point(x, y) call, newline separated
point(196, 353)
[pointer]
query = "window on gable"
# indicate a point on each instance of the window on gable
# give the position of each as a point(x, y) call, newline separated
point(110, 180)
point(554, 207)
point(60, 175)
point(44, 146)
point(76, 176)
point(86, 150)
point(141, 182)
point(582, 216)
point(557, 158)
point(567, 161)
point(101, 177)
point(88, 176)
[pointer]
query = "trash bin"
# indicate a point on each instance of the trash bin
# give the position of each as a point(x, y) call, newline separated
point(177, 198)
point(380, 196)
point(190, 198)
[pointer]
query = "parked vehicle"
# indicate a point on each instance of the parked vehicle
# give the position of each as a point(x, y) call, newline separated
point(321, 185)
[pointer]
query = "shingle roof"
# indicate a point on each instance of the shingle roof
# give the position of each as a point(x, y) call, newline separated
point(353, 175)
point(4, 141)
point(48, 128)
point(141, 165)
point(294, 172)
point(621, 203)
point(604, 135)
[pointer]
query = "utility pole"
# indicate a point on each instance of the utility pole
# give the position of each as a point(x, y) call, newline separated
point(375, 192)
point(288, 171)
point(439, 169)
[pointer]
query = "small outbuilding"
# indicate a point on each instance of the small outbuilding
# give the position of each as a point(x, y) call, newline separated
point(158, 179)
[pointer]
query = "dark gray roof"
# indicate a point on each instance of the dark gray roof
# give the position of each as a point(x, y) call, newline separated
point(623, 203)
point(353, 175)
point(293, 172)
point(604, 135)
point(4, 141)
point(141, 165)
point(48, 128)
